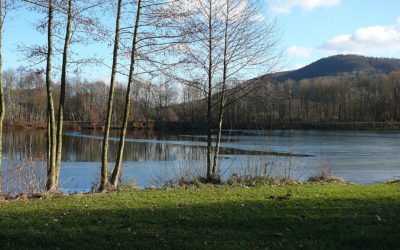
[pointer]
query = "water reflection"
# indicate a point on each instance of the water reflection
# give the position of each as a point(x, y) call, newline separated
point(357, 156)
point(19, 144)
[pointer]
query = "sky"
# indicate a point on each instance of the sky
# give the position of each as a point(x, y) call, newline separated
point(313, 29)
point(308, 30)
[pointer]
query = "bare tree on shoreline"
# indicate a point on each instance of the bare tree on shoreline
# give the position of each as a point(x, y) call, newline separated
point(248, 44)
point(153, 41)
point(104, 160)
point(2, 107)
point(5, 6)
point(51, 184)
point(55, 126)
point(230, 41)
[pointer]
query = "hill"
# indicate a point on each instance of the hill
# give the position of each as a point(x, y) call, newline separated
point(339, 64)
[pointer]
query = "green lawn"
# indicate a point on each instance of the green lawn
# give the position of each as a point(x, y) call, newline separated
point(315, 216)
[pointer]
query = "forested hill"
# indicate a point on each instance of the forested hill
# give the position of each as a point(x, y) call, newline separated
point(338, 64)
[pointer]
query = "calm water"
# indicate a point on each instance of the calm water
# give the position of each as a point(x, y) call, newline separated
point(151, 158)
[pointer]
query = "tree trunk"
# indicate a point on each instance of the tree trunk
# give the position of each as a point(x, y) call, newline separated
point(51, 124)
point(117, 169)
point(62, 91)
point(2, 105)
point(209, 97)
point(104, 159)
point(214, 173)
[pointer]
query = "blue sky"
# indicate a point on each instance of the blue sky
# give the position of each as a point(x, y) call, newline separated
point(310, 29)
point(313, 29)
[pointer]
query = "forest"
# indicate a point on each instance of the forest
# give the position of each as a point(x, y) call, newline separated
point(345, 98)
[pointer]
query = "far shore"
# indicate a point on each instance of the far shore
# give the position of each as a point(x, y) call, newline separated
point(193, 126)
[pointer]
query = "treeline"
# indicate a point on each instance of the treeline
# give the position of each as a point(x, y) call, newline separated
point(346, 98)
point(86, 101)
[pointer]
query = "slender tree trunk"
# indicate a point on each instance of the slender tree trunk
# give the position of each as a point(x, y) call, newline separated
point(209, 96)
point(2, 105)
point(48, 146)
point(62, 91)
point(117, 169)
point(104, 159)
point(214, 173)
point(51, 124)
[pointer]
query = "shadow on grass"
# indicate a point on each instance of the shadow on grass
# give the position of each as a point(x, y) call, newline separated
point(294, 223)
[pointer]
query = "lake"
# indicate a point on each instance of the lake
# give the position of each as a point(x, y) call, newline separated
point(154, 158)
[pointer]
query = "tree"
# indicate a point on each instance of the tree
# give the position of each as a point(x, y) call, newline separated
point(61, 106)
point(248, 44)
point(74, 21)
point(2, 107)
point(117, 169)
point(5, 6)
point(104, 159)
point(395, 80)
point(154, 38)
point(229, 43)
point(51, 184)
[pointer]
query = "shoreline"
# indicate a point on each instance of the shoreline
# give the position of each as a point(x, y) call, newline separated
point(184, 126)
point(198, 184)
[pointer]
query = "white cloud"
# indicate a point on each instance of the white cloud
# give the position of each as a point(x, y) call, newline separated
point(366, 40)
point(300, 51)
point(239, 10)
point(286, 6)
point(372, 40)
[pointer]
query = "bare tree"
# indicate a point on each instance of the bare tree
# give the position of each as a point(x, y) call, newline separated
point(117, 169)
point(104, 159)
point(203, 55)
point(75, 25)
point(51, 184)
point(2, 107)
point(60, 120)
point(154, 39)
point(248, 45)
point(230, 42)
point(5, 7)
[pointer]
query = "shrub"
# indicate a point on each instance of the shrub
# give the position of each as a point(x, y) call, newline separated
point(326, 175)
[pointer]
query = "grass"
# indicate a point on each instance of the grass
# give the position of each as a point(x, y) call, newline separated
point(314, 216)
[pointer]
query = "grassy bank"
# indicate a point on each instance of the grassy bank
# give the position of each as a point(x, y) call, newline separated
point(305, 216)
